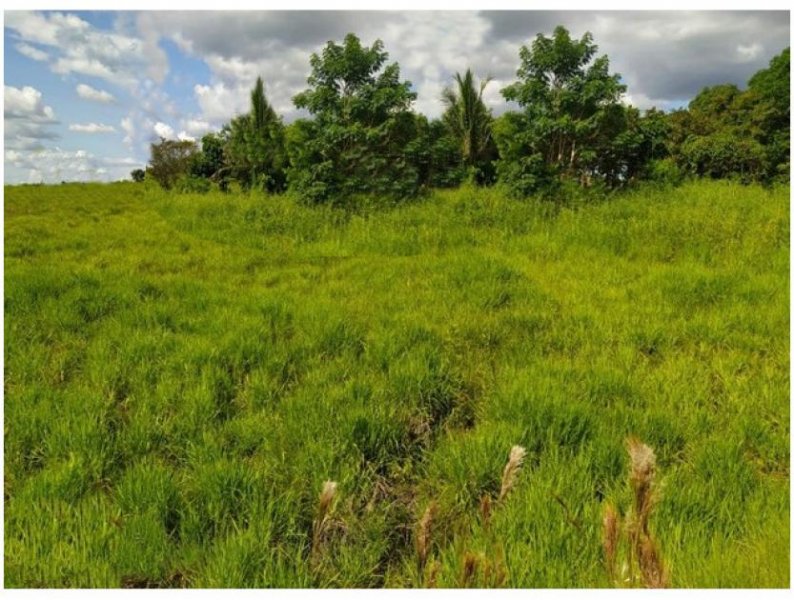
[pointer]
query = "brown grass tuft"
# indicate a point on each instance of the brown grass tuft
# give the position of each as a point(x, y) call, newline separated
point(611, 535)
point(513, 466)
point(470, 563)
point(424, 534)
point(321, 521)
point(651, 566)
point(643, 470)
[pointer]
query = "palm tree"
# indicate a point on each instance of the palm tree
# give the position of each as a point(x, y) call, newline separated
point(469, 120)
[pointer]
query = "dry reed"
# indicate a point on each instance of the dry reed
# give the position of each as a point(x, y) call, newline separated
point(513, 466)
point(321, 521)
point(424, 534)
point(611, 535)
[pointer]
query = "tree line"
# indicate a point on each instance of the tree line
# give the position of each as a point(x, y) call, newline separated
point(571, 132)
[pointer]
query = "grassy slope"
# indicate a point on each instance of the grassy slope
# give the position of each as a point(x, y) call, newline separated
point(184, 372)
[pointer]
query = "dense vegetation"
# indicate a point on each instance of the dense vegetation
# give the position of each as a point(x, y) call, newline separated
point(572, 136)
point(186, 373)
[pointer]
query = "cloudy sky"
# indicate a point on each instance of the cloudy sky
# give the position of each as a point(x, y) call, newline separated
point(86, 92)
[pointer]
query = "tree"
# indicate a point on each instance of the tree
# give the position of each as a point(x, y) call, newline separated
point(210, 161)
point(771, 113)
point(138, 175)
point(170, 160)
point(727, 132)
point(254, 152)
point(436, 154)
point(356, 143)
point(570, 103)
point(469, 122)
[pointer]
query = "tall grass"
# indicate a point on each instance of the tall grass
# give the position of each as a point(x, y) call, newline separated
point(184, 373)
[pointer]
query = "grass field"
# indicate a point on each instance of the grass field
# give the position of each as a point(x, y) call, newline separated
point(183, 373)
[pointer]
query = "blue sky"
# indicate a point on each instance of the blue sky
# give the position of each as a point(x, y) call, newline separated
point(86, 92)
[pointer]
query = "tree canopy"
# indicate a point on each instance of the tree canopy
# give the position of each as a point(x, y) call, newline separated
point(356, 142)
point(573, 130)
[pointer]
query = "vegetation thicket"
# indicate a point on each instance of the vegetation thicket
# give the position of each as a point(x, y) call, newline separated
point(573, 136)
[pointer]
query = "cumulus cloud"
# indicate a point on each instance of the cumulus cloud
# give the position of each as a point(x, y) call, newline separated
point(28, 120)
point(196, 126)
point(79, 47)
point(31, 52)
point(129, 129)
point(163, 130)
point(664, 57)
point(92, 128)
point(88, 93)
point(55, 165)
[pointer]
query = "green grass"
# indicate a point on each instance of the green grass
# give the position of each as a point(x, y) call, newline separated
point(182, 374)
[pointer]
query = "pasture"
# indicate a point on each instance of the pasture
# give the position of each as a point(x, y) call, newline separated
point(183, 373)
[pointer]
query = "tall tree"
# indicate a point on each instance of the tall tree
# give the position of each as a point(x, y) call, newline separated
point(570, 105)
point(255, 151)
point(469, 121)
point(362, 124)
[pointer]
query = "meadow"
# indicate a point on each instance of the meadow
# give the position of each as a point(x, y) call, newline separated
point(184, 373)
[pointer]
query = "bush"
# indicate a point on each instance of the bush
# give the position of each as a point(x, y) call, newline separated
point(724, 154)
point(190, 184)
point(171, 160)
point(665, 172)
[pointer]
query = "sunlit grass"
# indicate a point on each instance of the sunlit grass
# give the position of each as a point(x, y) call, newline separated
point(185, 372)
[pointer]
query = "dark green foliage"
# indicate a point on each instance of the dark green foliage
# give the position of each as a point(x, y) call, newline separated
point(138, 175)
point(571, 114)
point(254, 151)
point(192, 184)
point(723, 154)
point(727, 132)
point(436, 155)
point(356, 142)
point(469, 123)
point(209, 162)
point(170, 160)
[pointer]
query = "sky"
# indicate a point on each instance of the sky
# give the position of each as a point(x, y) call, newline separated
point(87, 92)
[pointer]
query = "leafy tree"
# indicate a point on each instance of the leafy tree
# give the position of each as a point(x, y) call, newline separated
point(723, 154)
point(357, 141)
point(170, 160)
point(436, 154)
point(469, 122)
point(138, 175)
point(254, 151)
point(771, 114)
point(210, 161)
point(727, 132)
point(571, 108)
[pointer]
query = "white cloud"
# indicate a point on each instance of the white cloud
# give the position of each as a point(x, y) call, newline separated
point(185, 137)
point(79, 47)
point(196, 126)
point(749, 52)
point(26, 103)
point(28, 121)
point(91, 128)
point(55, 165)
point(88, 93)
point(163, 130)
point(129, 128)
point(32, 52)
